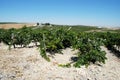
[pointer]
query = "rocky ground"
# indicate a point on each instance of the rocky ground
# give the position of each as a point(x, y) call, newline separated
point(27, 64)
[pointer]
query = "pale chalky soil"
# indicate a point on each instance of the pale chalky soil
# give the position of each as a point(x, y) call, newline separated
point(27, 64)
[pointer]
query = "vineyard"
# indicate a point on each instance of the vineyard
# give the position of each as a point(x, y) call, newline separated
point(53, 40)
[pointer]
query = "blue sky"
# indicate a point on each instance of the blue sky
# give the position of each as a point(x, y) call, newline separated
point(74, 12)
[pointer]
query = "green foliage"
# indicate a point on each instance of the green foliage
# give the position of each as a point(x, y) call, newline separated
point(7, 36)
point(2, 31)
point(89, 50)
point(43, 48)
point(65, 65)
point(55, 39)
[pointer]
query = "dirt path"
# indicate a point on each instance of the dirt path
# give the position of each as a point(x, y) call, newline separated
point(27, 64)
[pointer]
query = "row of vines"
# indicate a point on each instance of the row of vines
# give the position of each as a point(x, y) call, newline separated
point(54, 40)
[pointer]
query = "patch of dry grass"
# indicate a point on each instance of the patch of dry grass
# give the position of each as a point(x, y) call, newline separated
point(19, 25)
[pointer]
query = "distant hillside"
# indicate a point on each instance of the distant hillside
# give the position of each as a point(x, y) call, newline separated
point(77, 28)
point(8, 25)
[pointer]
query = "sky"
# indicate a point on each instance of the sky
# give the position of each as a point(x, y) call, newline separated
point(69, 12)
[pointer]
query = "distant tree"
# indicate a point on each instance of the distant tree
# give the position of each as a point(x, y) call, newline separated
point(37, 24)
point(47, 24)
